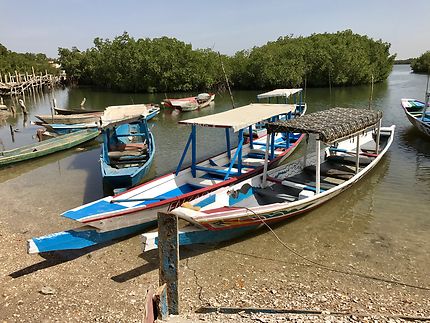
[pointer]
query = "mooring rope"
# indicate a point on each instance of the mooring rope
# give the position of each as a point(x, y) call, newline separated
point(334, 269)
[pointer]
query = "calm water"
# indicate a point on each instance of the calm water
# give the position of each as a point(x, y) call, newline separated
point(390, 207)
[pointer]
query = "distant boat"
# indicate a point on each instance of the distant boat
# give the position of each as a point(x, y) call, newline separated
point(416, 112)
point(47, 146)
point(70, 118)
point(189, 104)
point(355, 141)
point(153, 109)
point(127, 153)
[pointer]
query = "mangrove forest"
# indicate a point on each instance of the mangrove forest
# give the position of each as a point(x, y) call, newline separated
point(422, 63)
point(167, 64)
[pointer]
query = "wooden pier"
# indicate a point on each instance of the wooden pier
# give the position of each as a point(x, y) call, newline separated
point(17, 83)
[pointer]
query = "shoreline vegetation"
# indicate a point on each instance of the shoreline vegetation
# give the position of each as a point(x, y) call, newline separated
point(421, 64)
point(169, 65)
point(166, 64)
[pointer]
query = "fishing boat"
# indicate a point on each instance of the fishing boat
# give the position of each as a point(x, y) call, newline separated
point(355, 143)
point(416, 112)
point(70, 118)
point(286, 96)
point(153, 109)
point(137, 208)
point(127, 153)
point(189, 104)
point(47, 146)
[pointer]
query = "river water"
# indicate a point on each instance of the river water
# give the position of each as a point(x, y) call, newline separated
point(383, 221)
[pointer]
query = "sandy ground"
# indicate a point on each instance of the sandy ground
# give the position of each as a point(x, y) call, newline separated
point(109, 283)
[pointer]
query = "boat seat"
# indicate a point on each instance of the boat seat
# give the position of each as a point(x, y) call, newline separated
point(252, 162)
point(349, 160)
point(276, 193)
point(142, 146)
point(334, 170)
point(203, 182)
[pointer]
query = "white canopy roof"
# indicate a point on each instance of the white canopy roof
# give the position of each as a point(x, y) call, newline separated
point(242, 117)
point(122, 112)
point(278, 92)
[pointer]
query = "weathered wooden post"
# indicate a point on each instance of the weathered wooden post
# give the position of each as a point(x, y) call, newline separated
point(168, 250)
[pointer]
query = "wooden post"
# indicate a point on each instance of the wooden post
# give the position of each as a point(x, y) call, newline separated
point(161, 303)
point(168, 250)
point(357, 157)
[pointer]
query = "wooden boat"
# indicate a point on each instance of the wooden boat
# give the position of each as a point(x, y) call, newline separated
point(416, 112)
point(278, 96)
point(47, 146)
point(353, 150)
point(138, 206)
point(80, 118)
point(153, 110)
point(132, 110)
point(127, 153)
point(62, 129)
point(189, 104)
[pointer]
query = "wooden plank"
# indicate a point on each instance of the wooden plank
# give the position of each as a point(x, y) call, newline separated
point(169, 257)
point(148, 310)
point(161, 303)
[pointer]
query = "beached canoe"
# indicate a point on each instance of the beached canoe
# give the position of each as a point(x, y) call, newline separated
point(47, 146)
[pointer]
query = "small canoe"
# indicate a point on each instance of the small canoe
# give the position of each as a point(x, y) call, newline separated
point(414, 110)
point(189, 104)
point(70, 118)
point(127, 153)
point(46, 147)
point(74, 111)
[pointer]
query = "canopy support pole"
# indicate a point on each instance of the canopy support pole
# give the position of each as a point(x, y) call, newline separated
point(237, 155)
point(426, 101)
point(184, 154)
point(272, 146)
point(318, 166)
point(378, 135)
point(305, 156)
point(227, 138)
point(251, 137)
point(357, 155)
point(193, 150)
point(266, 161)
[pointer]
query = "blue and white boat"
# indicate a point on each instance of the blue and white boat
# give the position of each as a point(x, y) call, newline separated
point(417, 112)
point(137, 207)
point(127, 153)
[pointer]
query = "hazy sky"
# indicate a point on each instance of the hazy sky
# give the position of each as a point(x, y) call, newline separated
point(226, 26)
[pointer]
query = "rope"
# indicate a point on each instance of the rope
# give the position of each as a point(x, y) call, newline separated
point(348, 272)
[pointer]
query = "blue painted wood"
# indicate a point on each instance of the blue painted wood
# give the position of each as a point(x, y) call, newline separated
point(227, 138)
point(184, 153)
point(239, 157)
point(83, 238)
point(236, 155)
point(193, 150)
point(169, 258)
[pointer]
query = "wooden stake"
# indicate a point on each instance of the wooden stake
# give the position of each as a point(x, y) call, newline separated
point(168, 249)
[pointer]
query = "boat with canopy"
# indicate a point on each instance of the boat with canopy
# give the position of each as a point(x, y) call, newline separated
point(354, 144)
point(136, 208)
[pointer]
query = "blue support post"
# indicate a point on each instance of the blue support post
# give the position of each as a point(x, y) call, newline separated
point(236, 155)
point(184, 154)
point(239, 160)
point(227, 138)
point(251, 137)
point(272, 146)
point(193, 150)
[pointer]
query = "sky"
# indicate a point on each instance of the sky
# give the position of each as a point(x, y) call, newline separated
point(223, 25)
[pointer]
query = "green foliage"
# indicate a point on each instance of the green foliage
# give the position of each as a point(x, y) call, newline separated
point(422, 63)
point(142, 65)
point(167, 64)
point(20, 62)
point(343, 58)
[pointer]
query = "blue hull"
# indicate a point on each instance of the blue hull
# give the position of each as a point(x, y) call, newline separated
point(81, 238)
